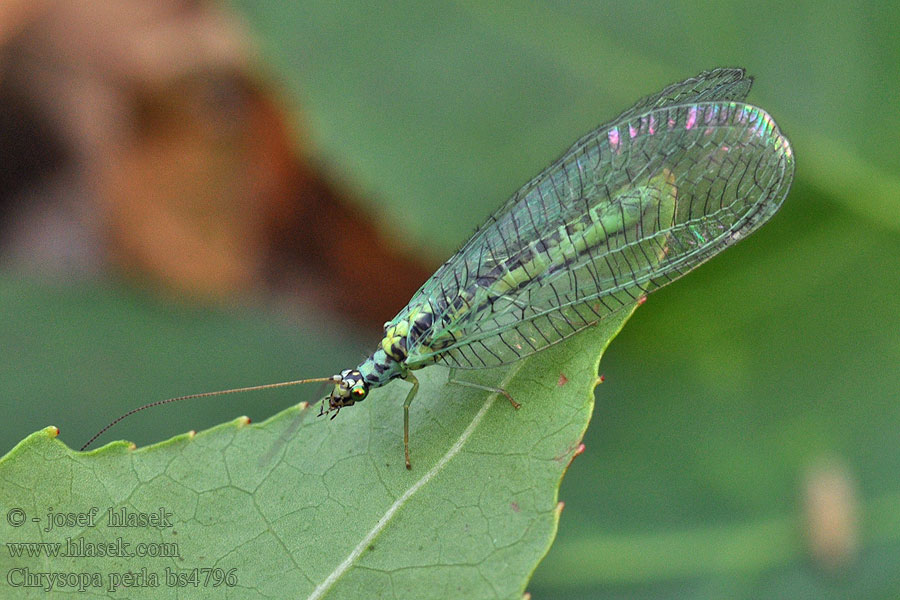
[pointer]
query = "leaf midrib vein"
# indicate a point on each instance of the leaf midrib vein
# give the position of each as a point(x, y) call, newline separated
point(344, 566)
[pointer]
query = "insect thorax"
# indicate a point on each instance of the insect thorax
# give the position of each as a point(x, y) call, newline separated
point(380, 368)
point(411, 330)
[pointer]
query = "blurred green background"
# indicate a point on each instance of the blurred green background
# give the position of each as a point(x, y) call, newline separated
point(746, 443)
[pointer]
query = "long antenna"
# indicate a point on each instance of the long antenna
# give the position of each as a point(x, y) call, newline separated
point(252, 388)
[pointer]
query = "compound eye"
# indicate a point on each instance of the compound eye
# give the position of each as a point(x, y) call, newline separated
point(359, 393)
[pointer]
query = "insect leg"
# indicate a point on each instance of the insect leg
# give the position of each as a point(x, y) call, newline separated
point(486, 388)
point(409, 398)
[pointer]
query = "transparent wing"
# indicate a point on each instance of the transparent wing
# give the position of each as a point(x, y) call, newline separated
point(630, 207)
point(708, 86)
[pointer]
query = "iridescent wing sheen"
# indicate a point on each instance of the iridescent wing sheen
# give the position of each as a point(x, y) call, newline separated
point(630, 207)
point(709, 86)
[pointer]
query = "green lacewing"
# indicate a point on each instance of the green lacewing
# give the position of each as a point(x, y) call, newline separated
point(631, 206)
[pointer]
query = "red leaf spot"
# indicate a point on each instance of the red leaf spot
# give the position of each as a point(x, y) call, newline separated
point(563, 380)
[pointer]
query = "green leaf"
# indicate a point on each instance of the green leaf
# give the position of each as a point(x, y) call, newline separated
point(303, 507)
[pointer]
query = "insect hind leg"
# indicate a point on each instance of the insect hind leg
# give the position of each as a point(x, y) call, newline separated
point(486, 388)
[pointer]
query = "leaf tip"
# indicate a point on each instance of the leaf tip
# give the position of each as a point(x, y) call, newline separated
point(597, 381)
point(111, 447)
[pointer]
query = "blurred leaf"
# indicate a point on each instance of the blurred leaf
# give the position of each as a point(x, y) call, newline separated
point(426, 106)
point(720, 395)
point(327, 509)
point(87, 352)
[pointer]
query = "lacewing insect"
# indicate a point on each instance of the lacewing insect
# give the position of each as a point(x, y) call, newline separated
point(631, 206)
